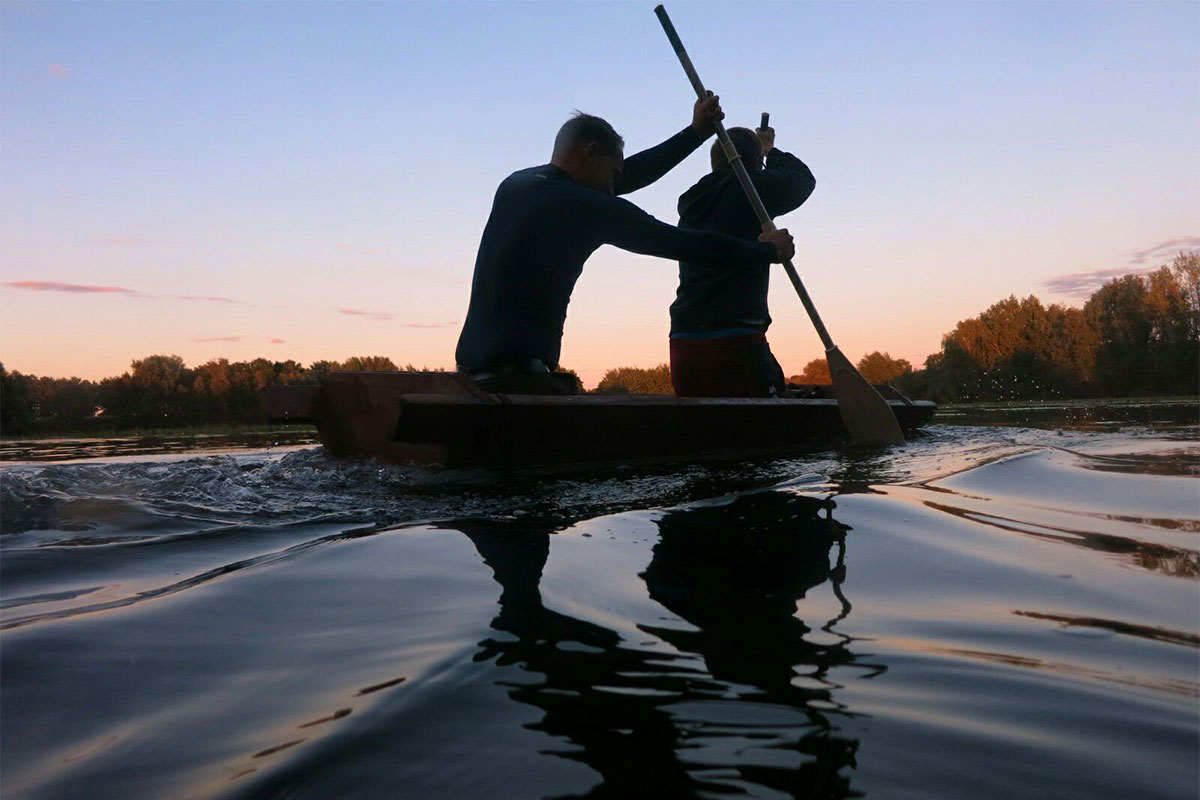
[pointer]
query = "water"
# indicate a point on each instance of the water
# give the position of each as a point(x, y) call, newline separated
point(1002, 608)
point(69, 449)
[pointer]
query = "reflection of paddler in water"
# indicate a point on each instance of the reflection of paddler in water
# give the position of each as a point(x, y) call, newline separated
point(517, 555)
point(735, 572)
point(626, 738)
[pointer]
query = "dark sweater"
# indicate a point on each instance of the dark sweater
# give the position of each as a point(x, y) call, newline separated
point(542, 228)
point(733, 294)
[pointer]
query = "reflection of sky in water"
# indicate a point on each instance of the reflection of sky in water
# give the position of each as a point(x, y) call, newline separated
point(987, 609)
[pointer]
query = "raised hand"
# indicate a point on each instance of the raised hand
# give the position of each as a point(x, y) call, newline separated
point(767, 137)
point(704, 113)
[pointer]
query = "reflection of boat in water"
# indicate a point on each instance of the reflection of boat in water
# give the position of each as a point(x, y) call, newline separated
point(719, 710)
point(444, 418)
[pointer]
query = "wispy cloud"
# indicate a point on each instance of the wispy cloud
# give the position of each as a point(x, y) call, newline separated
point(128, 240)
point(55, 286)
point(355, 312)
point(1084, 284)
point(201, 298)
point(58, 70)
point(357, 248)
point(1165, 250)
point(78, 288)
point(270, 339)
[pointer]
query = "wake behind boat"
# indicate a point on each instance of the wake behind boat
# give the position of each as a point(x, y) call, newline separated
point(445, 418)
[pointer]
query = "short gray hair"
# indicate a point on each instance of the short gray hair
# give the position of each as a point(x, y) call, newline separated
point(584, 128)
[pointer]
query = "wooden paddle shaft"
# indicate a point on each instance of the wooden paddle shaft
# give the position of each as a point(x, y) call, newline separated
point(739, 169)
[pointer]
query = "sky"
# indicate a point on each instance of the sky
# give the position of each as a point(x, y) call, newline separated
point(309, 180)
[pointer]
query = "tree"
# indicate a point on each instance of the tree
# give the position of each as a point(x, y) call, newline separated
point(814, 372)
point(1014, 350)
point(67, 403)
point(212, 389)
point(1172, 361)
point(1186, 269)
point(578, 382)
point(163, 374)
point(16, 412)
point(319, 368)
point(880, 367)
point(1119, 313)
point(246, 378)
point(159, 388)
point(369, 364)
point(1071, 352)
point(288, 373)
point(637, 380)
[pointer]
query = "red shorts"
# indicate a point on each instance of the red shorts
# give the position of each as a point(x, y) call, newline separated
point(730, 366)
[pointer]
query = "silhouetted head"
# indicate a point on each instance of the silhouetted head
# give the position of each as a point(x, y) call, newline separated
point(748, 146)
point(590, 151)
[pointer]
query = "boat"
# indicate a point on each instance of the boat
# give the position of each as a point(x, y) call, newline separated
point(445, 418)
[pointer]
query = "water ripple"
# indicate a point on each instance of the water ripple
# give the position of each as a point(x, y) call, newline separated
point(981, 610)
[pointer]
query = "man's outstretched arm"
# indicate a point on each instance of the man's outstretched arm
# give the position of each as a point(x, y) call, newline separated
point(644, 168)
point(624, 225)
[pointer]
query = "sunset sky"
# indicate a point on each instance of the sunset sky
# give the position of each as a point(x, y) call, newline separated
point(310, 180)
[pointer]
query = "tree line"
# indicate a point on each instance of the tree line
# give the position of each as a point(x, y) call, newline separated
point(158, 391)
point(1136, 335)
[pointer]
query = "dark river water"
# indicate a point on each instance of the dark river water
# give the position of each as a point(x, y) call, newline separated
point(1006, 606)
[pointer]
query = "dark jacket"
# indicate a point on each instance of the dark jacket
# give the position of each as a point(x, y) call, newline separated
point(733, 294)
point(543, 226)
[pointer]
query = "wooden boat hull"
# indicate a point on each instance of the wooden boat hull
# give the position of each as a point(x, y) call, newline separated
point(444, 418)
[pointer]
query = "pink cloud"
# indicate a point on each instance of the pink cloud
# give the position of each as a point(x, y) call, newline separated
point(76, 288)
point(55, 286)
point(221, 339)
point(274, 340)
point(205, 299)
point(354, 312)
point(58, 70)
point(1084, 284)
point(1165, 250)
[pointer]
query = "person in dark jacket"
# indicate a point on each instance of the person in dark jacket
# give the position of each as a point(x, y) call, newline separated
point(719, 318)
point(546, 221)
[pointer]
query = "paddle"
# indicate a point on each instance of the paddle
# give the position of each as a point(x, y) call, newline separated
point(865, 413)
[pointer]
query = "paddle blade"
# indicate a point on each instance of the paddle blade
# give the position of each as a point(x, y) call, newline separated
point(864, 412)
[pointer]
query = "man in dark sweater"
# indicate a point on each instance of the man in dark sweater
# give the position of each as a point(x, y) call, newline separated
point(719, 318)
point(547, 220)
